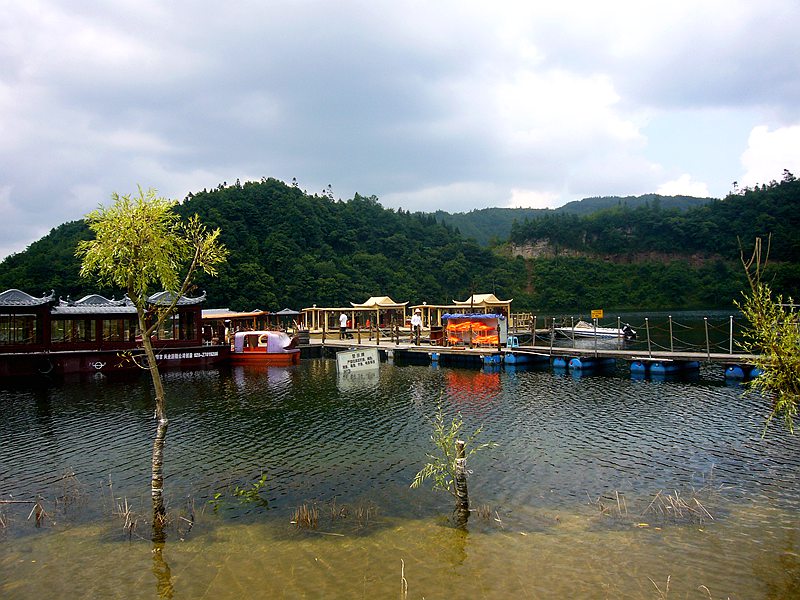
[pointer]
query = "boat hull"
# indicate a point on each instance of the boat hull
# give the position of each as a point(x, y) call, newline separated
point(27, 364)
point(290, 357)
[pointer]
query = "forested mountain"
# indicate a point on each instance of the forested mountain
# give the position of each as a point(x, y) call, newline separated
point(289, 249)
point(591, 205)
point(487, 225)
point(292, 249)
point(710, 230)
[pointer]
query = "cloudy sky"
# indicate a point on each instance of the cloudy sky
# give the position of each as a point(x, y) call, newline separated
point(449, 105)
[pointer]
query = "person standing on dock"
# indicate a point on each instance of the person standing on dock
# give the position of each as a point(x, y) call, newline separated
point(343, 326)
point(416, 325)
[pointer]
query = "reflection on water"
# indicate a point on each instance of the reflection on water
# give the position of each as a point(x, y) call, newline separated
point(572, 503)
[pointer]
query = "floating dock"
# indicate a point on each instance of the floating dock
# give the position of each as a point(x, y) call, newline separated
point(653, 364)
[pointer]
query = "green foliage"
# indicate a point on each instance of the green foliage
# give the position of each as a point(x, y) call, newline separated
point(247, 495)
point(441, 466)
point(773, 335)
point(139, 242)
point(252, 494)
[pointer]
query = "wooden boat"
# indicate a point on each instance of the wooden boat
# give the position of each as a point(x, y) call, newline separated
point(264, 347)
point(44, 336)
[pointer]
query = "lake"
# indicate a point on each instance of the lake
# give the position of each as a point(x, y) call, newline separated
point(601, 486)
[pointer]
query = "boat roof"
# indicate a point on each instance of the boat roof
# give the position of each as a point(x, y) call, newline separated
point(165, 299)
point(472, 316)
point(227, 313)
point(15, 297)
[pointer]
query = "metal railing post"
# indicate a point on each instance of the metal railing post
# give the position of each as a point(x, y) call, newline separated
point(572, 320)
point(730, 346)
point(647, 326)
point(708, 344)
point(671, 346)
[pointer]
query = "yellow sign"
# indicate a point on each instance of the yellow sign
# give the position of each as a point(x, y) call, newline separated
point(597, 314)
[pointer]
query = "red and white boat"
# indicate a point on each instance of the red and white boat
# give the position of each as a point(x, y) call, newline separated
point(264, 347)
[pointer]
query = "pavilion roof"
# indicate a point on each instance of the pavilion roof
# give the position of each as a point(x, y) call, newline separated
point(379, 302)
point(481, 300)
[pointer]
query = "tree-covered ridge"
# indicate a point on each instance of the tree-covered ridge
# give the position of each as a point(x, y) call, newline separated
point(597, 203)
point(292, 249)
point(711, 230)
point(491, 225)
point(289, 248)
point(48, 263)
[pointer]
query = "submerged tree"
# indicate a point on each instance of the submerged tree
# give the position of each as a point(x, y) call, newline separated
point(773, 336)
point(141, 244)
point(447, 466)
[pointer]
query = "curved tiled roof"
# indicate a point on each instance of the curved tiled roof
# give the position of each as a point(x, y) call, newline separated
point(165, 299)
point(15, 297)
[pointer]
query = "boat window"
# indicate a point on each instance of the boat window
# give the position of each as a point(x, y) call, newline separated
point(71, 331)
point(119, 330)
point(17, 329)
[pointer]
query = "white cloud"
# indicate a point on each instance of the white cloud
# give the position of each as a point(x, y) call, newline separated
point(533, 199)
point(452, 105)
point(769, 153)
point(684, 186)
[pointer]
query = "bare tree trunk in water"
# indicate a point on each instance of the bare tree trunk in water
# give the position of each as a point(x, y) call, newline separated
point(157, 476)
point(462, 495)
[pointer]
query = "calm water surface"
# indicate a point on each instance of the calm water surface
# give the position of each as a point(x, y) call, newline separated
point(601, 487)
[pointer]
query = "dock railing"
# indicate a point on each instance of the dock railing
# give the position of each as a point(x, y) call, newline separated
point(704, 335)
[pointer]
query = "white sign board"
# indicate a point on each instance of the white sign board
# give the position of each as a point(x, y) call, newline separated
point(351, 361)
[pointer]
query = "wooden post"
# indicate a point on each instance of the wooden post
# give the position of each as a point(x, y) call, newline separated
point(358, 328)
point(462, 496)
point(647, 326)
point(533, 331)
point(499, 347)
point(708, 345)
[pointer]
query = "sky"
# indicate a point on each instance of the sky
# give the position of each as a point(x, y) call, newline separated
point(451, 105)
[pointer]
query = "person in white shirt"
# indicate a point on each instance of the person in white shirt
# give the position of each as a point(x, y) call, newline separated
point(416, 325)
point(343, 326)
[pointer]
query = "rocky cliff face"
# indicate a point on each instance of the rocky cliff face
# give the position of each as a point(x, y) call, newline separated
point(545, 249)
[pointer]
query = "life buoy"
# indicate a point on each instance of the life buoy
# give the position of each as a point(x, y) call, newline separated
point(45, 366)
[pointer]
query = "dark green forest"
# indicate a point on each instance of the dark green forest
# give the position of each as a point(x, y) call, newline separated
point(488, 226)
point(291, 249)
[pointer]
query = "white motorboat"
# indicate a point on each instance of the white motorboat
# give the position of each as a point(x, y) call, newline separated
point(584, 329)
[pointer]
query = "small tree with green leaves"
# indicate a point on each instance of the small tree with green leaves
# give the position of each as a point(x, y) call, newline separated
point(142, 246)
point(443, 466)
point(773, 337)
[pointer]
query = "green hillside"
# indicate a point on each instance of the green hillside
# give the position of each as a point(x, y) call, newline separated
point(489, 225)
point(289, 249)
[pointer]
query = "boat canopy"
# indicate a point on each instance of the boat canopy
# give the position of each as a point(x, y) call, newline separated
point(472, 317)
point(273, 341)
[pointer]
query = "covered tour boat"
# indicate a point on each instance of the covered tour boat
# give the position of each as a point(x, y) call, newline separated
point(264, 347)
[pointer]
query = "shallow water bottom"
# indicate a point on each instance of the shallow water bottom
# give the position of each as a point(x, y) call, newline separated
point(556, 555)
